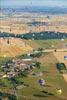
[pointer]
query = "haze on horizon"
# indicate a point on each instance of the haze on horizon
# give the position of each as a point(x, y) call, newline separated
point(21, 3)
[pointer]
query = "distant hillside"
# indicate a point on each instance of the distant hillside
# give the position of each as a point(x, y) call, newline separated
point(51, 10)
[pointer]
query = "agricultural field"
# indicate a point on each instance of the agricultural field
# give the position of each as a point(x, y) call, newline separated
point(60, 57)
point(47, 44)
point(27, 87)
point(32, 89)
point(21, 23)
point(11, 47)
point(33, 51)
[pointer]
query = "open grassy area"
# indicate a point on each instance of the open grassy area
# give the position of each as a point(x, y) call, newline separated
point(33, 90)
point(54, 80)
point(53, 43)
point(4, 59)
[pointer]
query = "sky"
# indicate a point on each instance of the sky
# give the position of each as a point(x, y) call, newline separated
point(17, 3)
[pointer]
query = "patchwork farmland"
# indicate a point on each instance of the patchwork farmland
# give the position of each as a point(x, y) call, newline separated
point(33, 53)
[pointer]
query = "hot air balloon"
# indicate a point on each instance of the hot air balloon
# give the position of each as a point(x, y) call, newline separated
point(42, 82)
point(59, 91)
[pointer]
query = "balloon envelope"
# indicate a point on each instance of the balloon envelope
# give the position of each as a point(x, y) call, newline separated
point(41, 82)
point(59, 91)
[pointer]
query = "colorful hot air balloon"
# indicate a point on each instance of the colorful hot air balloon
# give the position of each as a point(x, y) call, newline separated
point(42, 82)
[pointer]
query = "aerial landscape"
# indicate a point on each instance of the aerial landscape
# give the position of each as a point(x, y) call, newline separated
point(33, 50)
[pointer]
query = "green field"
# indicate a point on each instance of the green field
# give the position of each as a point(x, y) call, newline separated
point(50, 43)
point(33, 90)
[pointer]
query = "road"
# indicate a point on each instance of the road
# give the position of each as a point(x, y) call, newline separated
point(55, 50)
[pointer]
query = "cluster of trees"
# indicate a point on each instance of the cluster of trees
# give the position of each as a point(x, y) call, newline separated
point(36, 55)
point(36, 36)
point(7, 95)
point(24, 73)
point(61, 67)
point(38, 64)
point(45, 35)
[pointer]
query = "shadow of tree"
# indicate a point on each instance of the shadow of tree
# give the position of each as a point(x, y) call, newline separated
point(48, 93)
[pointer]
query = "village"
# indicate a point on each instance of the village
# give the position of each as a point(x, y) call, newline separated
point(16, 65)
point(33, 50)
point(28, 62)
point(29, 66)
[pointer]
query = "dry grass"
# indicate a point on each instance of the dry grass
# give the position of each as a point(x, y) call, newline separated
point(18, 23)
point(60, 57)
point(14, 48)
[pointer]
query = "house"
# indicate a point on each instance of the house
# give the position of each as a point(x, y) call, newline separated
point(17, 65)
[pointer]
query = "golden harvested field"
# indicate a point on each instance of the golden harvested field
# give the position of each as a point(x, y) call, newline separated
point(14, 48)
point(56, 23)
point(12, 27)
point(60, 57)
point(19, 23)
